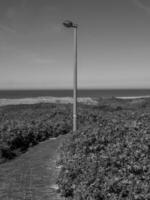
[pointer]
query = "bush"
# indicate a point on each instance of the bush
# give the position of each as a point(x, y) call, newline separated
point(110, 161)
point(7, 153)
point(23, 126)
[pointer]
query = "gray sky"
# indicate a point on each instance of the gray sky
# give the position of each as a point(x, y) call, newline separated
point(37, 52)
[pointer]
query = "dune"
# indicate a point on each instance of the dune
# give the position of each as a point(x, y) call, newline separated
point(62, 100)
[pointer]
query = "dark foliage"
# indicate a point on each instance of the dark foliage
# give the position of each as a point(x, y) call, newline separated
point(23, 126)
point(108, 159)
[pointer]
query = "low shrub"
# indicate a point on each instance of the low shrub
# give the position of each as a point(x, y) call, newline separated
point(23, 126)
point(105, 162)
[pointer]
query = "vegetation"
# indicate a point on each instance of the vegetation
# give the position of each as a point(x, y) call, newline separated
point(110, 157)
point(107, 158)
point(23, 126)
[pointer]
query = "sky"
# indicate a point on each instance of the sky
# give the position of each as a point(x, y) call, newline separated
point(36, 51)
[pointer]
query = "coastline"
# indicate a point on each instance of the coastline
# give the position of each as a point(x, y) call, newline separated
point(60, 100)
point(36, 100)
point(134, 97)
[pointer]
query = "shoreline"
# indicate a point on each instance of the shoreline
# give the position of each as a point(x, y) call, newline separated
point(36, 100)
point(134, 97)
point(60, 100)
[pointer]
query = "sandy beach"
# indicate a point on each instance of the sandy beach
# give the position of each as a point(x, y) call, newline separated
point(62, 100)
point(134, 97)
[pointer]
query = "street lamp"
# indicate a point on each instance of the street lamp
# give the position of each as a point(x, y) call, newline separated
point(70, 24)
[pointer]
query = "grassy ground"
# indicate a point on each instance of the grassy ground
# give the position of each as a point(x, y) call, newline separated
point(32, 175)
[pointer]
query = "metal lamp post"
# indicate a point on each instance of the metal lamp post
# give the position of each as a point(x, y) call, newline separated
point(70, 24)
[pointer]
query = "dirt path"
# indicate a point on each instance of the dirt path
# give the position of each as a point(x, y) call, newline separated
point(32, 175)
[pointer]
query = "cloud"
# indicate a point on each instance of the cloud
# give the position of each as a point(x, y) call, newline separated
point(141, 5)
point(7, 29)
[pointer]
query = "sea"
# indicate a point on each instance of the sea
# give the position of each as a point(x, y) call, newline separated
point(93, 93)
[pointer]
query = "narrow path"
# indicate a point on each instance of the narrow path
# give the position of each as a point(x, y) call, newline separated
point(32, 175)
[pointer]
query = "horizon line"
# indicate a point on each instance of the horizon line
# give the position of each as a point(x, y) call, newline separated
point(28, 89)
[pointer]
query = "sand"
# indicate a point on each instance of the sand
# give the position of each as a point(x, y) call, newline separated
point(61, 100)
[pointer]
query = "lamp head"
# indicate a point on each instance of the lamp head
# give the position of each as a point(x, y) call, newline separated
point(69, 24)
